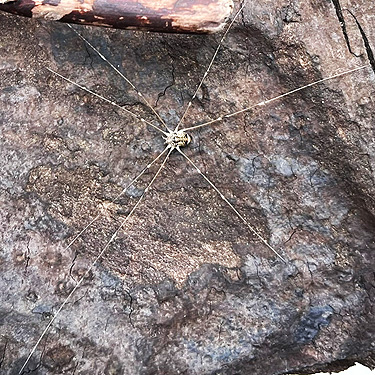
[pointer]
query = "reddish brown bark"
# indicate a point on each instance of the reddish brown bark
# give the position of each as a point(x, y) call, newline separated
point(190, 16)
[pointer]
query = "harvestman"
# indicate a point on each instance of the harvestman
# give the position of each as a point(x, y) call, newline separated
point(175, 139)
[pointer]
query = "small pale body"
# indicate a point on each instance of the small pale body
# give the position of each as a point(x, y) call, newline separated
point(177, 139)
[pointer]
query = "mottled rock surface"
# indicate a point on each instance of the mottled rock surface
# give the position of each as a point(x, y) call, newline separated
point(186, 287)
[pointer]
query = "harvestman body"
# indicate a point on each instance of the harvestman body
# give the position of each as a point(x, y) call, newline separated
point(175, 140)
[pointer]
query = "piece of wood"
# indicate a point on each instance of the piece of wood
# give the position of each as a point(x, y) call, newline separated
point(189, 16)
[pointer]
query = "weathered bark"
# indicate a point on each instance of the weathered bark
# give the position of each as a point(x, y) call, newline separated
point(189, 16)
point(186, 287)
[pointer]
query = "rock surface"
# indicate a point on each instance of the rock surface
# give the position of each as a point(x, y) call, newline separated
point(186, 287)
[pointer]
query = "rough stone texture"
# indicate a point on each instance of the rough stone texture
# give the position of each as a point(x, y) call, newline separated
point(186, 288)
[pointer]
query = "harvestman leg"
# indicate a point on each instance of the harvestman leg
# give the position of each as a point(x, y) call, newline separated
point(121, 108)
point(222, 196)
point(167, 148)
point(99, 256)
point(122, 76)
point(109, 101)
point(267, 101)
point(132, 182)
point(229, 115)
point(209, 67)
point(252, 229)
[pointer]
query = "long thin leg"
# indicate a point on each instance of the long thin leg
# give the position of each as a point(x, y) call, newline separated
point(148, 166)
point(252, 229)
point(267, 101)
point(121, 75)
point(113, 237)
point(107, 100)
point(208, 68)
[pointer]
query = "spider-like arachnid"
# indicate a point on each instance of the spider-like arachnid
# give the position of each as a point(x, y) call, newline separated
point(177, 139)
point(167, 275)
